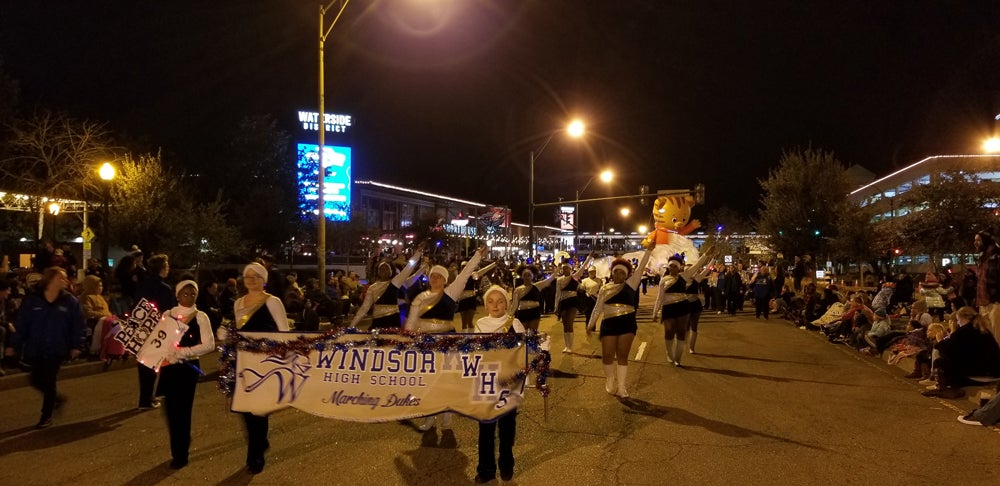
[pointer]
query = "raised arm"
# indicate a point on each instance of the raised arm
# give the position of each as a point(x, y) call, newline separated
point(689, 273)
point(583, 268)
point(404, 275)
point(633, 280)
point(483, 271)
point(545, 283)
point(416, 275)
point(454, 289)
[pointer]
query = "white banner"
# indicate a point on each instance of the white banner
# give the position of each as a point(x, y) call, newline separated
point(353, 377)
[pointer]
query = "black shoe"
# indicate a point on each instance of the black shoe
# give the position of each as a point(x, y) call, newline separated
point(255, 466)
point(944, 393)
point(149, 406)
point(178, 463)
point(44, 423)
point(507, 474)
point(482, 480)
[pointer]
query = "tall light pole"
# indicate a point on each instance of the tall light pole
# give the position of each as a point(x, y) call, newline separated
point(575, 130)
point(324, 31)
point(107, 173)
point(606, 176)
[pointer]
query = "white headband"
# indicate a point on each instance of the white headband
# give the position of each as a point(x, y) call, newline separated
point(674, 263)
point(616, 267)
point(184, 283)
point(496, 288)
point(439, 269)
point(256, 268)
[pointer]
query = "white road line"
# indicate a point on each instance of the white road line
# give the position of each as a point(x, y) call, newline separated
point(642, 349)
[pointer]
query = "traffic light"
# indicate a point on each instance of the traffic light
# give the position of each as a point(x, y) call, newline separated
point(643, 190)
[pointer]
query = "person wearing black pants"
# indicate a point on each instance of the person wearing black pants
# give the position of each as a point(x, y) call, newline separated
point(257, 311)
point(158, 292)
point(488, 463)
point(49, 326)
point(179, 379)
point(762, 287)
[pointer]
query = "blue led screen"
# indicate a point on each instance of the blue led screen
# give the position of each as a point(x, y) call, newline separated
point(336, 184)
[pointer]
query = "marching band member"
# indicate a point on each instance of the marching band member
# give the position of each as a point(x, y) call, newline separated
point(616, 305)
point(382, 296)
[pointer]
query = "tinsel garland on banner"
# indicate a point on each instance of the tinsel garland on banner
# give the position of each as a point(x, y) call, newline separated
point(442, 343)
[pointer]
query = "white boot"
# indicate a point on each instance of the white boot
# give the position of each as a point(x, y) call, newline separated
point(568, 337)
point(691, 341)
point(678, 351)
point(609, 373)
point(670, 351)
point(428, 424)
point(622, 373)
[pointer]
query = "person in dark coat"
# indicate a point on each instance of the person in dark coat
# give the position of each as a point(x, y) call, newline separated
point(49, 327)
point(158, 292)
point(968, 351)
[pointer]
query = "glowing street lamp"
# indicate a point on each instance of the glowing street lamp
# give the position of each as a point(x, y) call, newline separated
point(991, 145)
point(575, 130)
point(107, 172)
point(642, 229)
point(625, 212)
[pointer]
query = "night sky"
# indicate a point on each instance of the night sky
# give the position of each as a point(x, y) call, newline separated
point(451, 95)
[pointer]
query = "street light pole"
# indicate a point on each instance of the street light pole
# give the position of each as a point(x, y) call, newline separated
point(575, 130)
point(606, 176)
point(321, 125)
point(107, 173)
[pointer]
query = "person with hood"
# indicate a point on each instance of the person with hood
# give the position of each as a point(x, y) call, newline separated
point(930, 289)
point(49, 328)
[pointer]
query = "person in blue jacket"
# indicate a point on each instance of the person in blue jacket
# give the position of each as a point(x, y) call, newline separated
point(49, 327)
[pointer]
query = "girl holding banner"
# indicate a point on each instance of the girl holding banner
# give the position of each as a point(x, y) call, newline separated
point(616, 305)
point(258, 311)
point(179, 379)
point(434, 311)
point(497, 322)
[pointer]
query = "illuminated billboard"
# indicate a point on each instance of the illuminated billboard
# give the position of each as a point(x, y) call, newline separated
point(336, 184)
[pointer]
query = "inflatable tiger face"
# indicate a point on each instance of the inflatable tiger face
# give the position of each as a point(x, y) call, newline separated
point(671, 214)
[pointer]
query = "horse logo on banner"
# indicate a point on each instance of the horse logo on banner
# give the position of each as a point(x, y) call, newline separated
point(291, 373)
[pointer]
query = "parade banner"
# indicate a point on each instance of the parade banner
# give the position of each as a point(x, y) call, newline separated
point(148, 335)
point(365, 377)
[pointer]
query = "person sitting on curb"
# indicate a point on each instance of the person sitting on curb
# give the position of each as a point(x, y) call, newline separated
point(970, 350)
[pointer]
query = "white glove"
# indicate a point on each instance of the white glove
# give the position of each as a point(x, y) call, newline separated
point(546, 344)
point(221, 334)
point(173, 356)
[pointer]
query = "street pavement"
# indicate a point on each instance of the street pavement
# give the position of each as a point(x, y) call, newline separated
point(761, 403)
